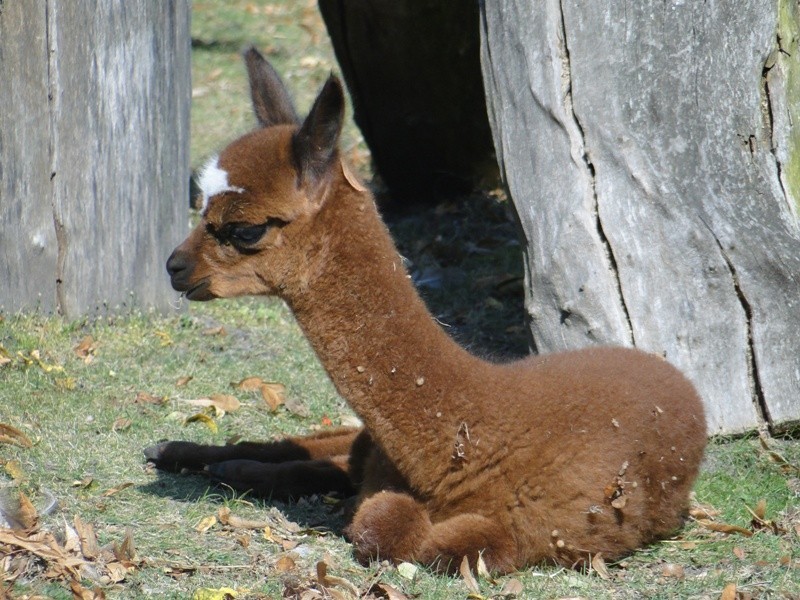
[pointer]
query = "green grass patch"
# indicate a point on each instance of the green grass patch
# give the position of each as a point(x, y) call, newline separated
point(86, 393)
point(70, 407)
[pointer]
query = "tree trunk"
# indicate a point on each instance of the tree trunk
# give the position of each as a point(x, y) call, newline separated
point(653, 157)
point(93, 152)
point(412, 68)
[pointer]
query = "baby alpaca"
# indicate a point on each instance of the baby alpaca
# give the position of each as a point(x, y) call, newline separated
point(553, 458)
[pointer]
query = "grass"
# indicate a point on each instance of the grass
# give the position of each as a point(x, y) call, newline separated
point(71, 417)
point(90, 408)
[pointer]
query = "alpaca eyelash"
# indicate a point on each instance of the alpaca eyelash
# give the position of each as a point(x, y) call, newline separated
point(243, 234)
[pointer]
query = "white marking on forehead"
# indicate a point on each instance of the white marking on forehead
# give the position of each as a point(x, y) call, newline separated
point(213, 180)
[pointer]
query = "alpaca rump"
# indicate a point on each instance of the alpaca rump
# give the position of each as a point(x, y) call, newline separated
point(553, 458)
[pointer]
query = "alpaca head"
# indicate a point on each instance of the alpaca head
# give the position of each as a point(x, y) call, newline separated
point(261, 194)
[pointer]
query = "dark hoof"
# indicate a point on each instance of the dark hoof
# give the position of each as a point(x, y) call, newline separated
point(176, 456)
point(155, 452)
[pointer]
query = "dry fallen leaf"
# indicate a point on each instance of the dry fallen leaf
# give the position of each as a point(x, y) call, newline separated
point(145, 398)
point(114, 490)
point(760, 511)
point(45, 547)
point(83, 483)
point(221, 403)
point(121, 424)
point(86, 349)
point(116, 572)
point(72, 541)
point(274, 394)
point(482, 571)
point(512, 587)
point(739, 552)
point(703, 511)
point(182, 381)
point(249, 384)
point(285, 563)
point(778, 458)
point(206, 523)
point(724, 528)
point(223, 593)
point(16, 510)
point(15, 470)
point(165, 337)
point(227, 518)
point(204, 419)
point(215, 331)
point(125, 552)
point(599, 565)
point(672, 570)
point(34, 357)
point(5, 357)
point(759, 520)
point(82, 593)
point(12, 435)
point(729, 593)
point(392, 593)
point(28, 515)
point(296, 407)
point(89, 547)
point(469, 578)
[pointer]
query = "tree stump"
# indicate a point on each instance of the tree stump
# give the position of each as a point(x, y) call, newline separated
point(93, 152)
point(652, 152)
point(412, 68)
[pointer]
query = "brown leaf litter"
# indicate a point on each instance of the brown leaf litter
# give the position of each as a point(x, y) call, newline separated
point(71, 556)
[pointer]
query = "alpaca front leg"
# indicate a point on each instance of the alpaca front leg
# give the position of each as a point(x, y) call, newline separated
point(178, 455)
point(285, 480)
point(396, 527)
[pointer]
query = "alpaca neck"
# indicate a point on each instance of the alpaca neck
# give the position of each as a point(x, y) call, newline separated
point(381, 347)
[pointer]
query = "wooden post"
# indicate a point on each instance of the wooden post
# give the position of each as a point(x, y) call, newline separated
point(93, 152)
point(652, 154)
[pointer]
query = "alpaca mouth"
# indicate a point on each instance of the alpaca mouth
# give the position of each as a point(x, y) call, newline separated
point(199, 292)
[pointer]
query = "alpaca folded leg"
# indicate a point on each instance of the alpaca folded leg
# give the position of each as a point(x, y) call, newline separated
point(285, 480)
point(469, 535)
point(176, 456)
point(389, 525)
point(396, 527)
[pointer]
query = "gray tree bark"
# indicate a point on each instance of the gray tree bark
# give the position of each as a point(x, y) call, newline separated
point(93, 152)
point(651, 150)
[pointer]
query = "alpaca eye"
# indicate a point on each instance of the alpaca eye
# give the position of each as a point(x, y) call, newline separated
point(246, 235)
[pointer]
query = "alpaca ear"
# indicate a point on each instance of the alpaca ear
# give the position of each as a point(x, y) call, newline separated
point(316, 143)
point(271, 101)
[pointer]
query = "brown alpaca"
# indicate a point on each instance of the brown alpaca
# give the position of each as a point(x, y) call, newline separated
point(553, 458)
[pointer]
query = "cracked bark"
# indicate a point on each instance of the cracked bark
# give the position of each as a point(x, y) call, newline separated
point(699, 229)
point(570, 110)
point(769, 117)
point(52, 113)
point(753, 371)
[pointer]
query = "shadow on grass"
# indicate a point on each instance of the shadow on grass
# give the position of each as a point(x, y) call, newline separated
point(314, 513)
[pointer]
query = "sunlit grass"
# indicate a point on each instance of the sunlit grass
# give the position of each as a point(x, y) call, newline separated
point(88, 428)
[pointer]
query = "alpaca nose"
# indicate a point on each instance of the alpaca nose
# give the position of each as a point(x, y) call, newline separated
point(179, 267)
point(176, 263)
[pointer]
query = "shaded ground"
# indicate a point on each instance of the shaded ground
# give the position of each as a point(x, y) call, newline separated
point(466, 261)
